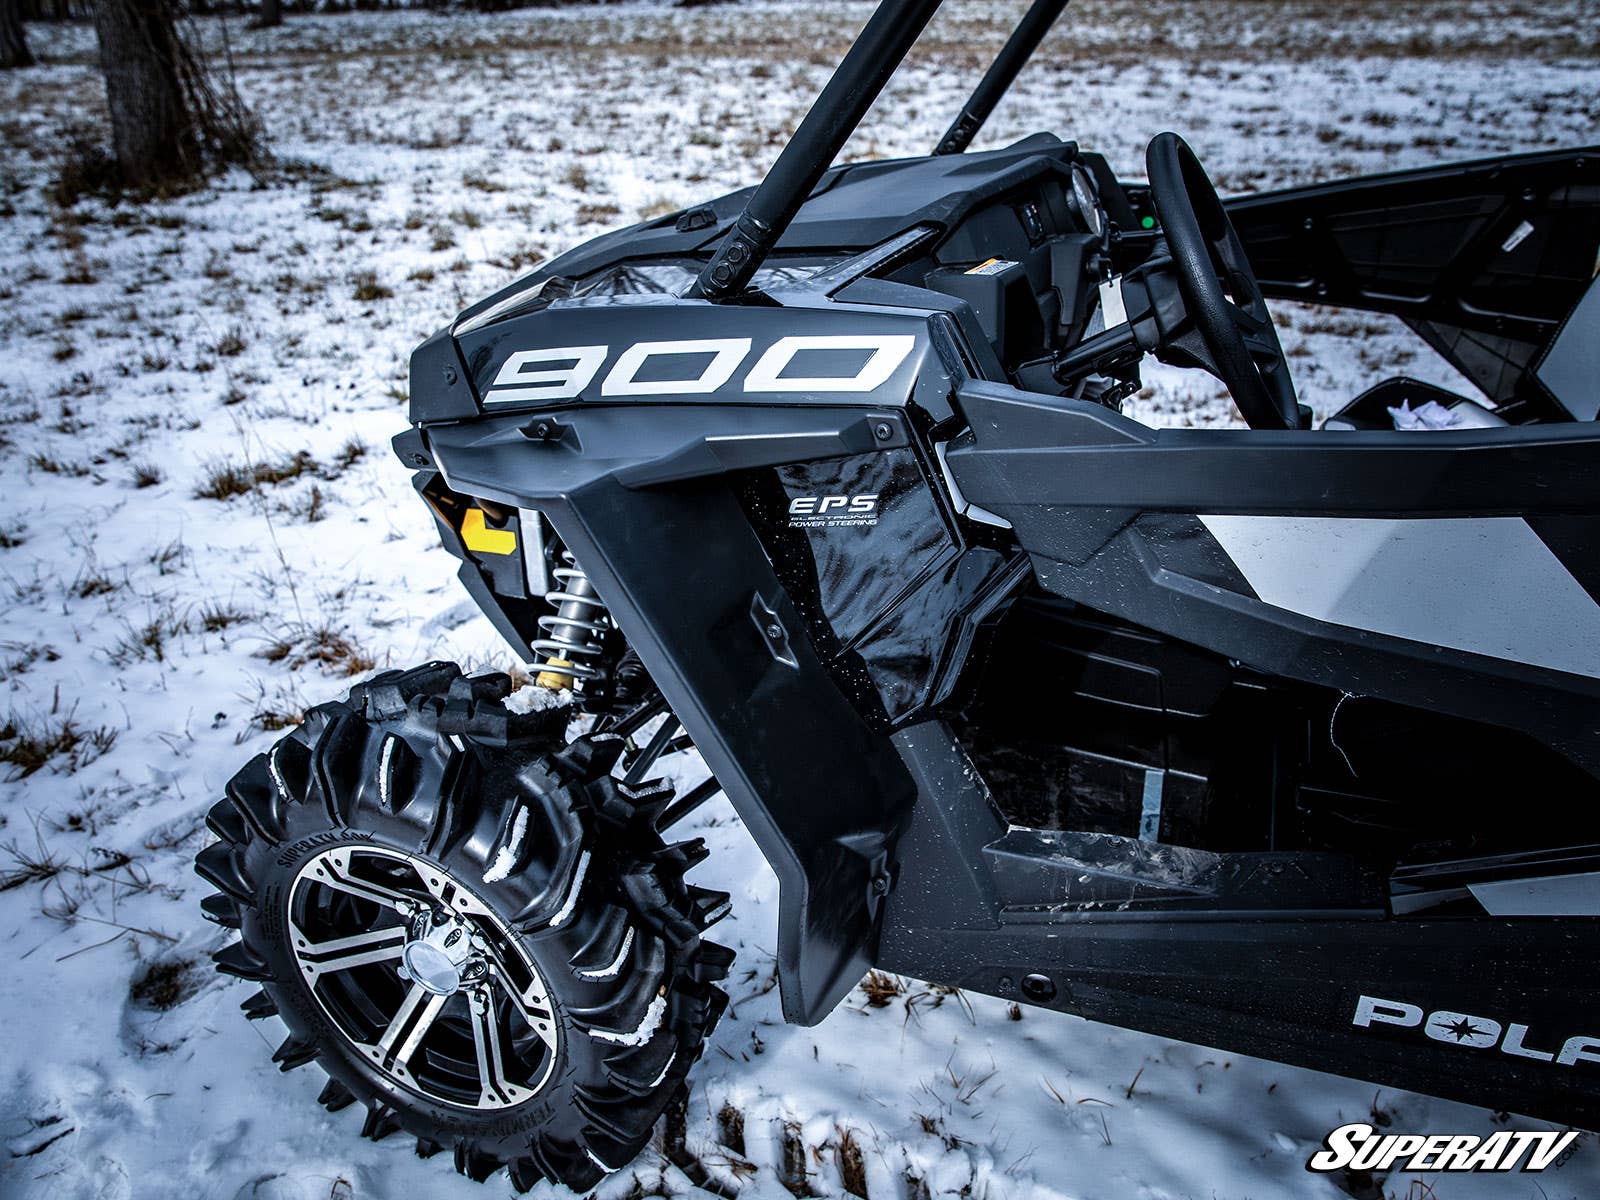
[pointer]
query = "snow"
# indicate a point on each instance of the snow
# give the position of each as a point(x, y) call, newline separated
point(641, 1033)
point(573, 891)
point(532, 699)
point(428, 159)
point(506, 857)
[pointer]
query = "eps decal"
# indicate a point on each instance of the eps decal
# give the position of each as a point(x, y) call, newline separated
point(825, 512)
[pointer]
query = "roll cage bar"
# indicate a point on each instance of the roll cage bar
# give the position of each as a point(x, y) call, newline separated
point(882, 45)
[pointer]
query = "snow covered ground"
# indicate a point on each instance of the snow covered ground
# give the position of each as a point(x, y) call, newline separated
point(202, 530)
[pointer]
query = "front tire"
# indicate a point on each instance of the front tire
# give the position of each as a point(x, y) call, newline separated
point(469, 925)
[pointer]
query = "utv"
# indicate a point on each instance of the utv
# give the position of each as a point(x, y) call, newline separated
point(1282, 740)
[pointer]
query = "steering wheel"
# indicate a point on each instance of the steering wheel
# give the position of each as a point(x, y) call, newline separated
point(1219, 289)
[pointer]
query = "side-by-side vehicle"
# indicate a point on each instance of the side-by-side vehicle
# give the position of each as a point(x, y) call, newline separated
point(1281, 739)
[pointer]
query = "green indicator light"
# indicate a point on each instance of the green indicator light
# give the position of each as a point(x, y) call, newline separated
point(1147, 223)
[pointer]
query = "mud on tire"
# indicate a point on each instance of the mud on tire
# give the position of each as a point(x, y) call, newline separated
point(421, 793)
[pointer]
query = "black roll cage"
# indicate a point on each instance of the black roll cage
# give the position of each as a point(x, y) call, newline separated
point(873, 57)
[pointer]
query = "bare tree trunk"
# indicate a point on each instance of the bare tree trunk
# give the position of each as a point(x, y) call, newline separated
point(153, 133)
point(271, 14)
point(13, 41)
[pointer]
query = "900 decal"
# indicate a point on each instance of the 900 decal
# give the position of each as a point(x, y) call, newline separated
point(702, 366)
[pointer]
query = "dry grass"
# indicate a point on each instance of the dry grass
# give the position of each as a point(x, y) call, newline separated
point(881, 988)
point(29, 866)
point(224, 480)
point(51, 465)
point(147, 474)
point(312, 507)
point(147, 642)
point(792, 1173)
point(19, 657)
point(231, 344)
point(334, 652)
point(730, 1128)
point(216, 617)
point(164, 983)
point(594, 214)
point(90, 583)
point(29, 744)
point(852, 1163)
point(352, 452)
point(367, 288)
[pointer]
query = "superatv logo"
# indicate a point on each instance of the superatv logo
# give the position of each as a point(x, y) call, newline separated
point(826, 512)
point(827, 363)
point(1472, 1032)
point(1360, 1147)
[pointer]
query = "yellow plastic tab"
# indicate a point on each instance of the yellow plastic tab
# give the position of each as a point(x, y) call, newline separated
point(558, 680)
point(480, 539)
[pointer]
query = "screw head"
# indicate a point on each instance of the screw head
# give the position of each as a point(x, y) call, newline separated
point(774, 631)
point(883, 431)
point(449, 374)
point(419, 459)
point(1038, 988)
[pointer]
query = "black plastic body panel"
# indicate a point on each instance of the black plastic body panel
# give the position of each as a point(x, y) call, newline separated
point(1483, 259)
point(854, 207)
point(680, 567)
point(616, 326)
point(1089, 492)
point(888, 583)
point(1266, 954)
point(1287, 987)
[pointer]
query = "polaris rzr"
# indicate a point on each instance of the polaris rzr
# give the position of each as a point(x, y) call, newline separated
point(1284, 740)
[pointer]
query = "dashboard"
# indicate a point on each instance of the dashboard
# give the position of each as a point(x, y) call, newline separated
point(1029, 263)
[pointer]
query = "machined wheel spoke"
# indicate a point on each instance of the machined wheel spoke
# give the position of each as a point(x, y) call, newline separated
point(451, 896)
point(496, 1089)
point(411, 1023)
point(342, 954)
point(532, 1006)
point(333, 873)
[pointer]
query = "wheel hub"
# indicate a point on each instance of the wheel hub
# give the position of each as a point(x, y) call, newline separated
point(439, 954)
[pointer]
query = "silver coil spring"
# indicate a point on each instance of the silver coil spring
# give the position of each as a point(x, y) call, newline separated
point(576, 628)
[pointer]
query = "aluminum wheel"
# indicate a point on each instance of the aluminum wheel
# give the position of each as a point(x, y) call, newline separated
point(422, 977)
point(470, 924)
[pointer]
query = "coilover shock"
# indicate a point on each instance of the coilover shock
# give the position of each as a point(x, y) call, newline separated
point(576, 628)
